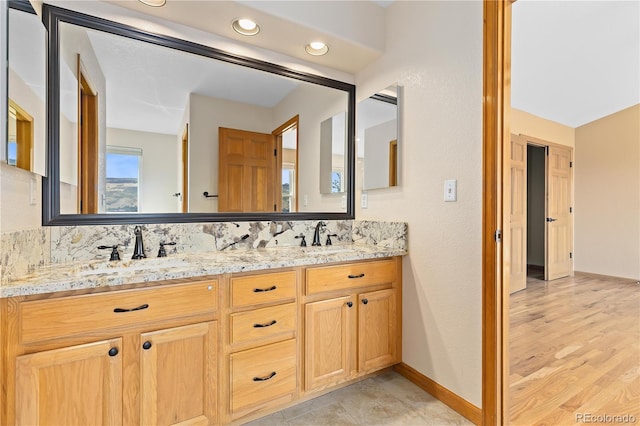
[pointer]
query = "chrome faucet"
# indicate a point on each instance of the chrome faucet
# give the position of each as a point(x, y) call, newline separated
point(316, 234)
point(138, 249)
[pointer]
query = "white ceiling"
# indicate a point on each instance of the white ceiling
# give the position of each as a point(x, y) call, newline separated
point(575, 61)
point(353, 30)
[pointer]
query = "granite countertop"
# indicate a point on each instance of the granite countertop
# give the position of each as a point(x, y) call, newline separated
point(92, 274)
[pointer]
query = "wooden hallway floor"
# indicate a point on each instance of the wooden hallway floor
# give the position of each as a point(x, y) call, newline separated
point(575, 352)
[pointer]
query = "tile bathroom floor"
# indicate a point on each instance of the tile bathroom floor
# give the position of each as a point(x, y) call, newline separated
point(387, 399)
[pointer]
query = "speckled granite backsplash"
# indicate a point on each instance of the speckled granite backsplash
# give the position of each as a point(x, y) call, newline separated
point(22, 252)
point(25, 251)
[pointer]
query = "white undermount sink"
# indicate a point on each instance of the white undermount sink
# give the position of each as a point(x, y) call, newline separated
point(131, 266)
point(327, 250)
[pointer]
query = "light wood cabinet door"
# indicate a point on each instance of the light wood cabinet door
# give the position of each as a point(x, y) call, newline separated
point(329, 341)
point(377, 329)
point(77, 385)
point(178, 375)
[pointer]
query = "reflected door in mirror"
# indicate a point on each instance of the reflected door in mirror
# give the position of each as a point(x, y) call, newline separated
point(247, 171)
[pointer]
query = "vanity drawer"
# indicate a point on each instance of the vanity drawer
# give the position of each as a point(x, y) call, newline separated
point(263, 374)
point(53, 318)
point(359, 274)
point(265, 323)
point(264, 288)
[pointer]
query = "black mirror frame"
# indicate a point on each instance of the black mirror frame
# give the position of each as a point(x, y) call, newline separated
point(52, 16)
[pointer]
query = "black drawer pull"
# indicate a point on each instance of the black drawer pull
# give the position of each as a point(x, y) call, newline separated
point(349, 304)
point(365, 301)
point(269, 324)
point(264, 379)
point(259, 290)
point(357, 276)
point(113, 351)
point(146, 345)
point(139, 308)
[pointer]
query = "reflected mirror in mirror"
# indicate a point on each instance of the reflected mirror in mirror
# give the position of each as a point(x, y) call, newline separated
point(163, 130)
point(333, 143)
point(26, 117)
point(377, 138)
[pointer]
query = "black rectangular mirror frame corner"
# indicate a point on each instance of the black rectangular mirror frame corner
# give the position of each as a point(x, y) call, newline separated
point(52, 16)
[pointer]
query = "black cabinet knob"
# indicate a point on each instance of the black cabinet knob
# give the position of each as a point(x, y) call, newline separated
point(146, 345)
point(349, 304)
point(365, 301)
point(113, 351)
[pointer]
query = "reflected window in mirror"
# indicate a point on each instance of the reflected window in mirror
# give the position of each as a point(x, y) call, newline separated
point(123, 183)
point(377, 138)
point(26, 131)
point(333, 142)
point(220, 139)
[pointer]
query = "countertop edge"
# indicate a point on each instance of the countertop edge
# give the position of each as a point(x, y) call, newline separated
point(65, 277)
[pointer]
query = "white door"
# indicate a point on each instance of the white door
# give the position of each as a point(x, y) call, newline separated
point(558, 226)
point(518, 214)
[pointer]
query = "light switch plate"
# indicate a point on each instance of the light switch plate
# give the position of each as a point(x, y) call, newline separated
point(364, 200)
point(33, 191)
point(450, 190)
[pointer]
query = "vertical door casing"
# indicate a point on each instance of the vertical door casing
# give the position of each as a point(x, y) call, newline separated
point(329, 341)
point(518, 215)
point(559, 226)
point(178, 375)
point(76, 385)
point(377, 329)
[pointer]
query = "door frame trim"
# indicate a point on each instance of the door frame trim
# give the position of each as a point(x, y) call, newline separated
point(495, 150)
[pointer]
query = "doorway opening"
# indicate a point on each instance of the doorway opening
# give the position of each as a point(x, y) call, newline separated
point(541, 223)
point(535, 211)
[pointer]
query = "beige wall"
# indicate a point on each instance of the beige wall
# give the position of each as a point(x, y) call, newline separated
point(523, 123)
point(17, 212)
point(607, 195)
point(434, 50)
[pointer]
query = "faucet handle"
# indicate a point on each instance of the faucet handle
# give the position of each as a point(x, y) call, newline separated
point(162, 252)
point(114, 252)
point(303, 243)
point(328, 243)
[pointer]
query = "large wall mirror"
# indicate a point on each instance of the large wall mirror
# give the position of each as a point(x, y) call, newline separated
point(25, 146)
point(146, 128)
point(378, 137)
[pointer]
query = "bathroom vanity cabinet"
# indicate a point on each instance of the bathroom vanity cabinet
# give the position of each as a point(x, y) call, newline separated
point(215, 350)
point(138, 356)
point(352, 321)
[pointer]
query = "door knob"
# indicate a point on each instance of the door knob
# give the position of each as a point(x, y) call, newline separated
point(551, 219)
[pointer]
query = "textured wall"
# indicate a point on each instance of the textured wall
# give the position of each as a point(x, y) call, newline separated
point(607, 195)
point(434, 50)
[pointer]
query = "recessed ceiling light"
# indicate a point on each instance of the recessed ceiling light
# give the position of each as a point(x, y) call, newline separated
point(316, 48)
point(153, 3)
point(245, 27)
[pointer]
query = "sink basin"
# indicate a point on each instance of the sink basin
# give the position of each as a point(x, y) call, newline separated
point(327, 250)
point(131, 266)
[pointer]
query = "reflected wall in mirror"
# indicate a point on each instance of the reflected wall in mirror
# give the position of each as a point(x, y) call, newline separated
point(167, 130)
point(333, 143)
point(378, 119)
point(26, 117)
